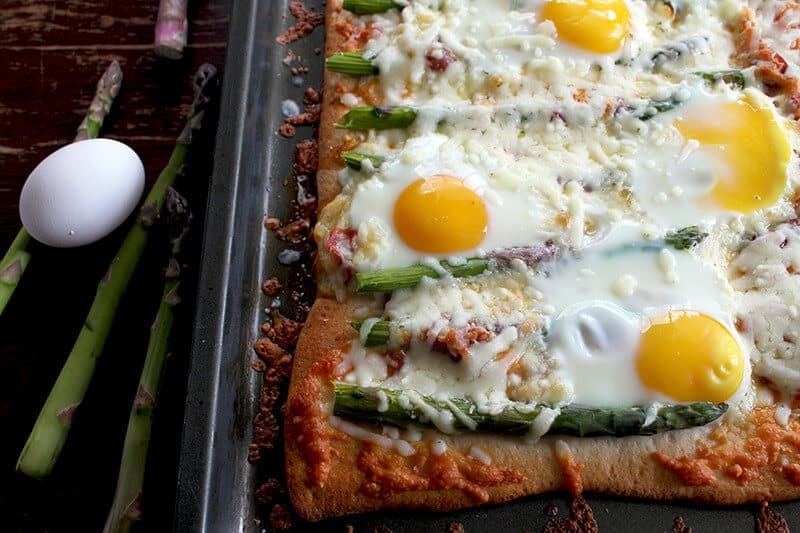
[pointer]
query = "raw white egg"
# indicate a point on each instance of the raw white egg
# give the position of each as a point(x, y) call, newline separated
point(81, 192)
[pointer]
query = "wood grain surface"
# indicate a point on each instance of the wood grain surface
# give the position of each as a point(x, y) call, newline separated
point(51, 53)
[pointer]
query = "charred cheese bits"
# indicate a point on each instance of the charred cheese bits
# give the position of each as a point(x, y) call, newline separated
point(598, 26)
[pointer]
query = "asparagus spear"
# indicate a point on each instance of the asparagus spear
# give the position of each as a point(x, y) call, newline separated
point(654, 107)
point(171, 28)
point(125, 508)
point(16, 259)
point(377, 118)
point(377, 405)
point(734, 78)
point(403, 277)
point(368, 7)
point(376, 334)
point(685, 238)
point(355, 159)
point(355, 63)
point(52, 427)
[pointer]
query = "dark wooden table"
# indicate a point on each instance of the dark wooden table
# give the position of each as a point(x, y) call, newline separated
point(51, 53)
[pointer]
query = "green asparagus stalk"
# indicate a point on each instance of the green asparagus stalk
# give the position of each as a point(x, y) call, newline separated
point(685, 238)
point(16, 259)
point(354, 63)
point(734, 78)
point(655, 107)
point(355, 159)
point(377, 405)
point(52, 427)
point(377, 118)
point(368, 7)
point(376, 335)
point(125, 509)
point(404, 277)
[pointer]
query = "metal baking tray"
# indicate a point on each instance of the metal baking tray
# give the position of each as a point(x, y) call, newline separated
point(216, 484)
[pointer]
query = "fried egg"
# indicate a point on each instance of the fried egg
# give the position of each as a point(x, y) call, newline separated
point(633, 323)
point(437, 200)
point(719, 154)
point(596, 26)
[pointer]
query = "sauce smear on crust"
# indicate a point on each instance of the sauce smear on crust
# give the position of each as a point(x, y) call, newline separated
point(308, 426)
point(741, 452)
point(387, 473)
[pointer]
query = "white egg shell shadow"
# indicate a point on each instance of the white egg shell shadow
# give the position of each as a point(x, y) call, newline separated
point(81, 192)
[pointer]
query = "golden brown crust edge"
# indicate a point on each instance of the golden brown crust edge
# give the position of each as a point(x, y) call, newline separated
point(613, 466)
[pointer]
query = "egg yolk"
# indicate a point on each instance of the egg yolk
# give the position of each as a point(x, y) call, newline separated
point(440, 215)
point(598, 26)
point(748, 150)
point(690, 357)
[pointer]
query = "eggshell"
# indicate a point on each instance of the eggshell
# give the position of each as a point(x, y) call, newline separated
point(81, 192)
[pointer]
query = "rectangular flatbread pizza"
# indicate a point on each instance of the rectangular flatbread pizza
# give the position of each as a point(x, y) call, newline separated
point(558, 248)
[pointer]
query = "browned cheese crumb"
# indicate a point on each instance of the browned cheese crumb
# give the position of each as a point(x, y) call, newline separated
point(305, 23)
point(281, 516)
point(271, 287)
point(680, 526)
point(770, 521)
point(287, 130)
point(581, 519)
point(455, 527)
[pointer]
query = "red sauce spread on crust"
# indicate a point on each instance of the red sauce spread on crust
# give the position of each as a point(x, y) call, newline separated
point(387, 472)
point(741, 452)
point(308, 425)
point(693, 472)
point(570, 469)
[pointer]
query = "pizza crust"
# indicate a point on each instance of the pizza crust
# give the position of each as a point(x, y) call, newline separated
point(619, 466)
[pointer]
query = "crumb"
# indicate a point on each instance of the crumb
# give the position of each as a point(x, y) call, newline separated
point(305, 23)
point(770, 521)
point(294, 232)
point(287, 130)
point(680, 526)
point(281, 516)
point(551, 510)
point(581, 519)
point(272, 223)
point(271, 287)
point(317, 51)
point(455, 527)
point(381, 528)
point(311, 96)
point(270, 491)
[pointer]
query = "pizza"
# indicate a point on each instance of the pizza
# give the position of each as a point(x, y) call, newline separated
point(558, 248)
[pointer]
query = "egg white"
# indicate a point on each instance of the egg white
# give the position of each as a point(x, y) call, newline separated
point(599, 303)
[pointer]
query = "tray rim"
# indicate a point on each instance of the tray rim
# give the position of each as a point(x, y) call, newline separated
point(195, 464)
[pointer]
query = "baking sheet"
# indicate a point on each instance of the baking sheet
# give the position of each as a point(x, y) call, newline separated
point(216, 484)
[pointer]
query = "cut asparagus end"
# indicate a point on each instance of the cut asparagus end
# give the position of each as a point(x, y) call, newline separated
point(376, 405)
point(367, 7)
point(355, 160)
point(734, 78)
point(353, 63)
point(405, 277)
point(685, 238)
point(377, 118)
point(376, 334)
